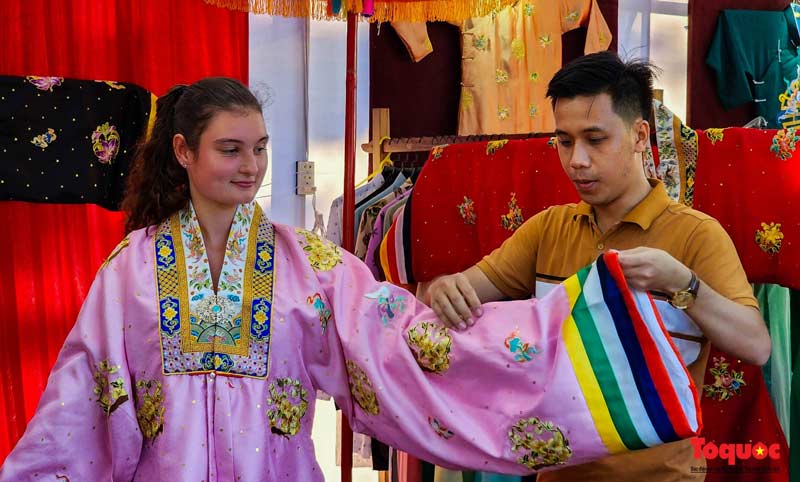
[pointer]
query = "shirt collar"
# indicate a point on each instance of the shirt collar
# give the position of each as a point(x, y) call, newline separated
point(643, 213)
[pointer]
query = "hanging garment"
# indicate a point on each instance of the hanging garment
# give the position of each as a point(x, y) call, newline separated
point(69, 141)
point(163, 378)
point(334, 233)
point(754, 57)
point(748, 180)
point(509, 57)
point(737, 410)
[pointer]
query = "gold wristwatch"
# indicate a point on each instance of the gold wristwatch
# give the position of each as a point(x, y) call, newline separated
point(684, 299)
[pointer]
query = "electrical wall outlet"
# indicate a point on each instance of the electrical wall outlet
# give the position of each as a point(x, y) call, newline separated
point(305, 178)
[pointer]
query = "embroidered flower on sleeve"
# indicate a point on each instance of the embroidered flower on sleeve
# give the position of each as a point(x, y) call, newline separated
point(322, 254)
point(389, 305)
point(769, 237)
point(430, 343)
point(322, 310)
point(361, 389)
point(440, 429)
point(109, 387)
point(545, 40)
point(522, 350)
point(287, 402)
point(542, 443)
point(150, 413)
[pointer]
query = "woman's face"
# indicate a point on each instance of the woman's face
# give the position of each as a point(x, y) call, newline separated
point(230, 161)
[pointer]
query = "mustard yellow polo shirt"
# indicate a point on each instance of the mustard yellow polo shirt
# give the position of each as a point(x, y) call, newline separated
point(557, 242)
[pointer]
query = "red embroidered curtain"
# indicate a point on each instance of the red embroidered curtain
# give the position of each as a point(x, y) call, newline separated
point(50, 253)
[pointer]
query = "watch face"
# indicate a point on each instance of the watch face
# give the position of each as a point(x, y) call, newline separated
point(682, 299)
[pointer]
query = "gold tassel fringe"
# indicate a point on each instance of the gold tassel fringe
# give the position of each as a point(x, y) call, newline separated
point(408, 11)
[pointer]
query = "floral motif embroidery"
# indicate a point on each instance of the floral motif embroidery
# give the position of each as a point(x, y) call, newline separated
point(769, 237)
point(553, 142)
point(110, 393)
point(322, 310)
point(540, 452)
point(430, 343)
point(361, 388)
point(288, 403)
point(216, 362)
point(494, 146)
point(437, 151)
point(389, 305)
point(522, 350)
point(714, 135)
point(545, 41)
point(440, 429)
point(518, 48)
point(528, 9)
point(45, 83)
point(466, 99)
point(533, 110)
point(573, 16)
point(122, 245)
point(480, 42)
point(513, 219)
point(690, 148)
point(44, 140)
point(727, 383)
point(467, 211)
point(105, 143)
point(151, 413)
point(112, 84)
point(784, 143)
point(500, 76)
point(503, 112)
point(322, 255)
point(533, 76)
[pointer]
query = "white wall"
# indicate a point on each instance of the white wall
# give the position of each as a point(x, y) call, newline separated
point(305, 120)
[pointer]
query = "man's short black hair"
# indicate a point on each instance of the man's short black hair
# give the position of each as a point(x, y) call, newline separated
point(629, 83)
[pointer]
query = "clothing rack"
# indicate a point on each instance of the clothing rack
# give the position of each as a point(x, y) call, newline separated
point(413, 151)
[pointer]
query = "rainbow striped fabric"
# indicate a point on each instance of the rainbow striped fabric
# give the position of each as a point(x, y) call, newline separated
point(636, 387)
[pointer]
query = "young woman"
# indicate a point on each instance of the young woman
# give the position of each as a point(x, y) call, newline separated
point(206, 334)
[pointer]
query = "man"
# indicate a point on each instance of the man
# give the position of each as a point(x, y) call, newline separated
point(681, 255)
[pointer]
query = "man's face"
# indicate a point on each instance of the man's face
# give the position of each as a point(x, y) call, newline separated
point(598, 148)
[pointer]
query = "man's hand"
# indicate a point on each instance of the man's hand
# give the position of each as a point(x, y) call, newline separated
point(650, 269)
point(454, 301)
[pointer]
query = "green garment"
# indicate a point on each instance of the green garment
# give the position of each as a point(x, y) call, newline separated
point(780, 308)
point(754, 57)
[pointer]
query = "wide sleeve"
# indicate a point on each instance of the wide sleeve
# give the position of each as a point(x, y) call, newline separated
point(516, 393)
point(85, 427)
